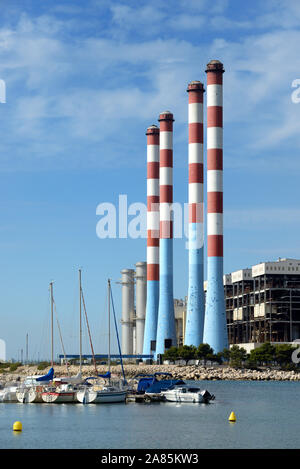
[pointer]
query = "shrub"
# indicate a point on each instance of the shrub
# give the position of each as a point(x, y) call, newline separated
point(4, 365)
point(43, 365)
point(14, 366)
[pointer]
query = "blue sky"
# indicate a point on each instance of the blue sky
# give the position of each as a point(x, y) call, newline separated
point(83, 82)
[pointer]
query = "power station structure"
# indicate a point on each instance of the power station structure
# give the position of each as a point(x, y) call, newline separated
point(166, 333)
point(152, 239)
point(128, 310)
point(201, 325)
point(215, 331)
point(140, 310)
point(263, 303)
point(204, 318)
point(195, 306)
point(134, 295)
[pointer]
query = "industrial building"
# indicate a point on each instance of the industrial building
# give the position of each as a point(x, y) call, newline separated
point(134, 296)
point(263, 303)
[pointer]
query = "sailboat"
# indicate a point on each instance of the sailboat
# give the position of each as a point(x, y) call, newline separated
point(33, 386)
point(109, 393)
point(62, 390)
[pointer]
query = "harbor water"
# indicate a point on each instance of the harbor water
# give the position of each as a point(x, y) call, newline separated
point(268, 416)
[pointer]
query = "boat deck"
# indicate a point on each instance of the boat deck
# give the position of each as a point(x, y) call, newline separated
point(143, 398)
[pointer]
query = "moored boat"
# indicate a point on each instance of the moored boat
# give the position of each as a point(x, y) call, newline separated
point(188, 394)
point(27, 395)
point(62, 394)
point(8, 393)
point(31, 389)
point(156, 383)
point(108, 394)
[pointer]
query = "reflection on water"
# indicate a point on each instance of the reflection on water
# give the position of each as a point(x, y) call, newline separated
point(259, 407)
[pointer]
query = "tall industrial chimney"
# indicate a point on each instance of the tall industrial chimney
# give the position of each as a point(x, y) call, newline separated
point(152, 239)
point(166, 333)
point(195, 305)
point(127, 282)
point(140, 305)
point(215, 326)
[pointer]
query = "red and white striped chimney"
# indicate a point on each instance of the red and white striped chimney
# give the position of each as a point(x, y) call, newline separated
point(195, 305)
point(215, 326)
point(152, 238)
point(166, 333)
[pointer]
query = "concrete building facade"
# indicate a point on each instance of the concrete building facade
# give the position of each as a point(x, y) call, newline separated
point(263, 303)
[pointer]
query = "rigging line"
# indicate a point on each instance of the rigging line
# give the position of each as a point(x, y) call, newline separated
point(88, 327)
point(120, 353)
point(60, 336)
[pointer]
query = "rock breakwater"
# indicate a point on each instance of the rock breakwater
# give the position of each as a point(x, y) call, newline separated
point(192, 372)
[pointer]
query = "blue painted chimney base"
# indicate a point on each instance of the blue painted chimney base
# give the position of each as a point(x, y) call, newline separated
point(151, 315)
point(215, 325)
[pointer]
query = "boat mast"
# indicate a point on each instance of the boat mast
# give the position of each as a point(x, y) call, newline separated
point(51, 296)
point(109, 326)
point(26, 349)
point(80, 325)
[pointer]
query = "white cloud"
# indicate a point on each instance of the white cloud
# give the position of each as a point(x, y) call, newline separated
point(78, 91)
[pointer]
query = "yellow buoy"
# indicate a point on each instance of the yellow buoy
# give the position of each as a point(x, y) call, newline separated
point(17, 427)
point(232, 417)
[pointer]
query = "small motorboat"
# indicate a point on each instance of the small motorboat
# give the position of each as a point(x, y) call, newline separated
point(156, 383)
point(188, 394)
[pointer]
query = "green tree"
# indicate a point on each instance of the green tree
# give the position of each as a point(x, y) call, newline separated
point(218, 358)
point(237, 356)
point(204, 352)
point(171, 354)
point(283, 354)
point(263, 354)
point(187, 352)
point(226, 354)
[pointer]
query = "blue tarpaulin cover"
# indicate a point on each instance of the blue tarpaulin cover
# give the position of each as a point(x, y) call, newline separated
point(107, 375)
point(48, 376)
point(151, 384)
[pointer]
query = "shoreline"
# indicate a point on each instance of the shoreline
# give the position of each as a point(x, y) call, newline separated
point(189, 372)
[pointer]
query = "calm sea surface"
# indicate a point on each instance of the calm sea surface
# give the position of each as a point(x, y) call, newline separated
point(268, 416)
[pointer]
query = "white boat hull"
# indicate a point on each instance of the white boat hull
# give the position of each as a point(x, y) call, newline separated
point(176, 398)
point(29, 395)
point(58, 397)
point(100, 397)
point(7, 395)
point(187, 394)
point(110, 397)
